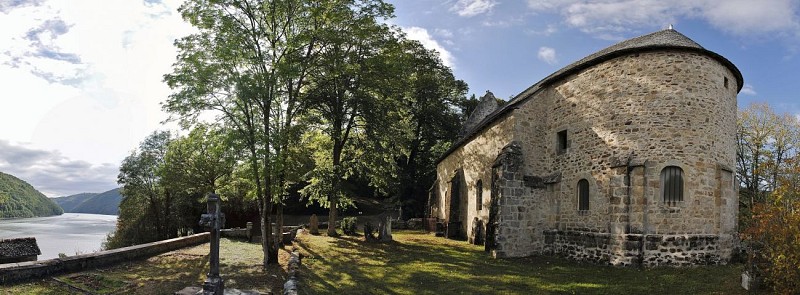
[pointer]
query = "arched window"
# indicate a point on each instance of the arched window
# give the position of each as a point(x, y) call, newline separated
point(583, 194)
point(479, 195)
point(672, 185)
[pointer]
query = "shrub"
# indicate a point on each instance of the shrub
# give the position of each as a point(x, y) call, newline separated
point(773, 239)
point(349, 226)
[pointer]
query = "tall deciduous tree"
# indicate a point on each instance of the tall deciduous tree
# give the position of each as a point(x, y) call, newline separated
point(767, 144)
point(193, 165)
point(429, 109)
point(145, 208)
point(247, 62)
point(342, 92)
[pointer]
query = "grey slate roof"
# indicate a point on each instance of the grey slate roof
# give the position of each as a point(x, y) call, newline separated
point(19, 247)
point(664, 39)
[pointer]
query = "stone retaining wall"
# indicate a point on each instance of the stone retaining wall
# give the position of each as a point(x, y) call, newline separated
point(636, 249)
point(25, 271)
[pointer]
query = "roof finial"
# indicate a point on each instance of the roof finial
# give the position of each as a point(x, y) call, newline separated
point(670, 27)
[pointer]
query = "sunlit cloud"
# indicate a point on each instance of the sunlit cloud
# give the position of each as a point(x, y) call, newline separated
point(469, 8)
point(548, 55)
point(611, 18)
point(422, 35)
point(748, 90)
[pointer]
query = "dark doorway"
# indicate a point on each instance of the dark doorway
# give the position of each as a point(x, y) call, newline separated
point(491, 225)
point(454, 215)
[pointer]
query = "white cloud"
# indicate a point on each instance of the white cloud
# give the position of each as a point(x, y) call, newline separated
point(444, 33)
point(748, 90)
point(469, 8)
point(610, 18)
point(84, 77)
point(422, 35)
point(52, 173)
point(549, 30)
point(547, 55)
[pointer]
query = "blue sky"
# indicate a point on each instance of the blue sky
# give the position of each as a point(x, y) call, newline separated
point(82, 79)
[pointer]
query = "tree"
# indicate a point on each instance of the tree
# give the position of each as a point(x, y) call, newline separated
point(193, 165)
point(248, 64)
point(430, 120)
point(765, 141)
point(341, 94)
point(144, 211)
point(774, 239)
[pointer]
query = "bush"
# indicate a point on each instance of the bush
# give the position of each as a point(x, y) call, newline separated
point(349, 226)
point(773, 239)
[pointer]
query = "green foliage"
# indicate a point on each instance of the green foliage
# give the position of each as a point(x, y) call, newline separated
point(322, 93)
point(103, 203)
point(165, 181)
point(18, 199)
point(349, 226)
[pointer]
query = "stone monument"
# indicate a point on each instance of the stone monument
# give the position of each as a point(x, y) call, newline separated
point(313, 224)
point(214, 220)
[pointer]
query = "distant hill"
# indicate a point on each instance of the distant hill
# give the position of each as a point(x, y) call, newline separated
point(103, 203)
point(70, 202)
point(18, 199)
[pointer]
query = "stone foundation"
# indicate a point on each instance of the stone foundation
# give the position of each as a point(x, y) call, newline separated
point(637, 250)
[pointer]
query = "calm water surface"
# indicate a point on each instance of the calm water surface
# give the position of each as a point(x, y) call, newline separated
point(69, 233)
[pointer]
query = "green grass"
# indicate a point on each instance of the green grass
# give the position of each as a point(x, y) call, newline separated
point(414, 263)
point(418, 263)
point(240, 266)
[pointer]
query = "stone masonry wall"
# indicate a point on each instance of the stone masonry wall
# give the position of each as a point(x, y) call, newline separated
point(476, 159)
point(626, 119)
point(664, 107)
point(638, 250)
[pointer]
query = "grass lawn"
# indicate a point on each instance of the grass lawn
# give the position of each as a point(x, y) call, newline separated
point(419, 263)
point(415, 263)
point(240, 266)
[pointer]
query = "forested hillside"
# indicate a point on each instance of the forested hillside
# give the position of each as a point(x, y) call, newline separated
point(18, 199)
point(103, 203)
point(69, 203)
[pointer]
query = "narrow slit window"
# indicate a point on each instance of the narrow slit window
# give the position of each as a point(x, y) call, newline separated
point(562, 142)
point(725, 82)
point(583, 195)
point(672, 185)
point(479, 195)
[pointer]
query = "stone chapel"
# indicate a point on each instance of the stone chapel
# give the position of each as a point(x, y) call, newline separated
point(625, 157)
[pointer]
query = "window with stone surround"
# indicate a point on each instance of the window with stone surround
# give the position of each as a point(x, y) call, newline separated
point(672, 185)
point(583, 195)
point(562, 143)
point(479, 195)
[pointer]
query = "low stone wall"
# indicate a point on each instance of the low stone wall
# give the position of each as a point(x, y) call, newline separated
point(292, 285)
point(237, 233)
point(636, 249)
point(682, 250)
point(24, 271)
point(576, 245)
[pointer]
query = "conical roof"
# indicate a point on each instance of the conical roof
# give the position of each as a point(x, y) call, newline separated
point(664, 39)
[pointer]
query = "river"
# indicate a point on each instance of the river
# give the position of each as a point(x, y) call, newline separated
point(69, 233)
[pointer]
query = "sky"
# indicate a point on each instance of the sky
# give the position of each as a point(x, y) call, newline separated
point(81, 81)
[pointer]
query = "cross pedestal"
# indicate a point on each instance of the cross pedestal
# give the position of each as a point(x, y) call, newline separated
point(213, 219)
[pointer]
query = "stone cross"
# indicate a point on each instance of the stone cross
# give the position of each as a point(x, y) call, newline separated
point(213, 220)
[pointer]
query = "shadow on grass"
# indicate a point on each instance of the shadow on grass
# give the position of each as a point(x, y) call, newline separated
point(417, 263)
